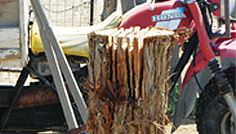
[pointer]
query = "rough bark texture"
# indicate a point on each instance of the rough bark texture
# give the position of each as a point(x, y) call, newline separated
point(129, 71)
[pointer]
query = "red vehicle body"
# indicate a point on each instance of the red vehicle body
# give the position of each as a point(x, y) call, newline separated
point(174, 14)
point(224, 47)
point(142, 16)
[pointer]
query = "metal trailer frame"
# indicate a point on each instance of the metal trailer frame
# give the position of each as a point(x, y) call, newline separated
point(60, 67)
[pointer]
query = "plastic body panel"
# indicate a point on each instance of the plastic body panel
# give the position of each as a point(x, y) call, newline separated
point(149, 14)
point(224, 48)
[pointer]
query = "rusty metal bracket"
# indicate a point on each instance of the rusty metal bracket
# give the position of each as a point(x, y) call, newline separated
point(42, 78)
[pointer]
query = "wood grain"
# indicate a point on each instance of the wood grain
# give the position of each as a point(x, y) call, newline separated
point(129, 71)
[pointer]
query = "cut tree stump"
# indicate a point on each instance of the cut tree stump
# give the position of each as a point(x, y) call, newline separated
point(129, 72)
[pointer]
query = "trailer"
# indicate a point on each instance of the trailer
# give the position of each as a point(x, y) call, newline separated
point(36, 107)
point(45, 105)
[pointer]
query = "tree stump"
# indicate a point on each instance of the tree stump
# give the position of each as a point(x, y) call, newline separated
point(129, 72)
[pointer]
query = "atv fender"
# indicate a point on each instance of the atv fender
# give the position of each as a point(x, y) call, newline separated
point(225, 48)
point(190, 92)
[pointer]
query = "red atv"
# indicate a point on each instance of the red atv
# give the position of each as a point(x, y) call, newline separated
point(216, 106)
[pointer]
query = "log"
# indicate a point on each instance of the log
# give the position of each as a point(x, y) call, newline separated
point(32, 96)
point(128, 73)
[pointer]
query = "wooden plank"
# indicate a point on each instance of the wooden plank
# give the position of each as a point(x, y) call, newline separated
point(2, 2)
point(13, 33)
point(9, 13)
point(10, 47)
point(24, 33)
point(13, 63)
point(9, 38)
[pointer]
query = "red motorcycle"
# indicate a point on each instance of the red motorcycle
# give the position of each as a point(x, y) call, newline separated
point(216, 106)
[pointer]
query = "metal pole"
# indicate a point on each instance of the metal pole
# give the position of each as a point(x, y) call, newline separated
point(91, 12)
point(56, 72)
point(66, 70)
point(227, 19)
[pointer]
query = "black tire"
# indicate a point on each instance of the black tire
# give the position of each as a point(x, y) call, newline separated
point(211, 107)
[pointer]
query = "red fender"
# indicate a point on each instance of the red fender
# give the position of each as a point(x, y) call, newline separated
point(224, 47)
point(199, 65)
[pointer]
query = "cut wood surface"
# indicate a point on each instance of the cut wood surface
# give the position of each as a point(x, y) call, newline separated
point(129, 71)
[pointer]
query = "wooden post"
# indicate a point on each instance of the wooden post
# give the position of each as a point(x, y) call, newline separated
point(129, 71)
point(91, 12)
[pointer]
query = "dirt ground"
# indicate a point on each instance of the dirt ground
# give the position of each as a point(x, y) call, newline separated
point(188, 128)
point(10, 78)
